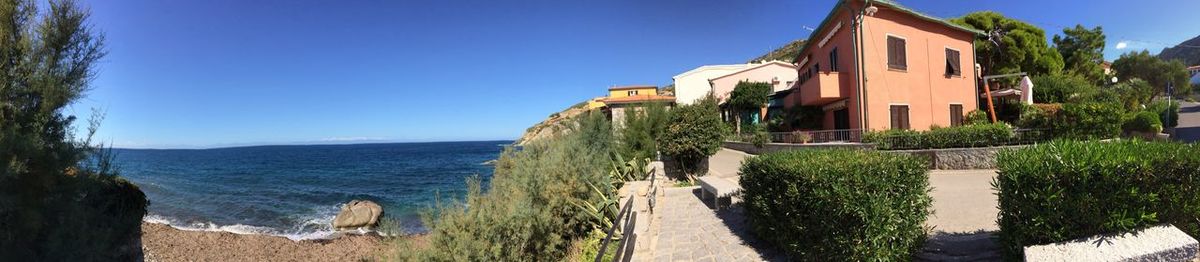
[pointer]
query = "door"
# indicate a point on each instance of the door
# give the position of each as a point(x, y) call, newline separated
point(841, 122)
point(841, 119)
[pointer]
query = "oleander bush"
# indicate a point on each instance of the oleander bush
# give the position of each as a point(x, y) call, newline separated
point(1168, 113)
point(894, 138)
point(1088, 121)
point(692, 134)
point(840, 205)
point(1143, 121)
point(1072, 189)
point(975, 135)
point(977, 117)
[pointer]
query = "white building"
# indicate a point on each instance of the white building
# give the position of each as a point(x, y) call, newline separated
point(693, 85)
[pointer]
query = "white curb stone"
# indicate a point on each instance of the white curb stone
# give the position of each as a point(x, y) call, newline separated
point(1158, 243)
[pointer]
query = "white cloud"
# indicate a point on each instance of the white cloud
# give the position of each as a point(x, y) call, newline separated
point(1122, 45)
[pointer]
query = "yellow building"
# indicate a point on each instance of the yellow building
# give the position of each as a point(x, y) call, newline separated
point(622, 97)
point(628, 91)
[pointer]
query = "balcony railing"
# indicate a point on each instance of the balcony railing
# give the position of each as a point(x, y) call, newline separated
point(817, 136)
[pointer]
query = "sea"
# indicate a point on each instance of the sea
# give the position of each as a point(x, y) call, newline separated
point(295, 191)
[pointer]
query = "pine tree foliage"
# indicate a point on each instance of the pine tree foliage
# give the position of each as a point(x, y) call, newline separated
point(60, 198)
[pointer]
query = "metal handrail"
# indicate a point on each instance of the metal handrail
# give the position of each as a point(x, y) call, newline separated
point(818, 136)
point(627, 215)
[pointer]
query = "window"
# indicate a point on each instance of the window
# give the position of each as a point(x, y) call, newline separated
point(953, 68)
point(833, 60)
point(816, 68)
point(956, 115)
point(899, 117)
point(631, 92)
point(897, 58)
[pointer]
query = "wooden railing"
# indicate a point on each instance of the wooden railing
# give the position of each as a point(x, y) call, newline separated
point(625, 219)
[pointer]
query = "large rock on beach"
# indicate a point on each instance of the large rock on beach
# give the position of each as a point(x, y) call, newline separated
point(358, 213)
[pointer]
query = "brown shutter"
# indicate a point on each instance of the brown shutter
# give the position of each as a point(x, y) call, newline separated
point(956, 115)
point(903, 56)
point(904, 110)
point(895, 117)
point(952, 63)
point(891, 51)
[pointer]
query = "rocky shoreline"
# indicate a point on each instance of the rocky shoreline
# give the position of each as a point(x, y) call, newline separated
point(161, 242)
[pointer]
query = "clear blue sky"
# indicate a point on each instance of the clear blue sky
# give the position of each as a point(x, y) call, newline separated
point(234, 72)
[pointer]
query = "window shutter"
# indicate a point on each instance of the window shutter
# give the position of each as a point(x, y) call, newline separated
point(897, 57)
point(953, 67)
point(956, 115)
point(904, 112)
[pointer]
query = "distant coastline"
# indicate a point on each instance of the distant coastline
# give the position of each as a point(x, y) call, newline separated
point(311, 143)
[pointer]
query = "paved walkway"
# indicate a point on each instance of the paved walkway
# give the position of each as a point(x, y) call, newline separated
point(1189, 122)
point(726, 163)
point(964, 217)
point(690, 230)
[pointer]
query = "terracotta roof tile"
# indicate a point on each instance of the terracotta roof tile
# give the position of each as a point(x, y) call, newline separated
point(638, 99)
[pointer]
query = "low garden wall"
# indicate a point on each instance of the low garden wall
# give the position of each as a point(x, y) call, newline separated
point(959, 158)
point(775, 147)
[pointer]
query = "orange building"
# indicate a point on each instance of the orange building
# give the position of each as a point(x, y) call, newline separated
point(893, 68)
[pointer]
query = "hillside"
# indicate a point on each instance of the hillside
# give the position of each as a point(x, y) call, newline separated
point(787, 52)
point(556, 124)
point(1188, 52)
point(553, 125)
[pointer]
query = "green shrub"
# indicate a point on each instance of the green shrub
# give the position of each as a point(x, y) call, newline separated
point(637, 138)
point(535, 208)
point(974, 135)
point(1168, 113)
point(1143, 121)
point(1034, 117)
point(894, 139)
point(1072, 189)
point(969, 136)
point(693, 133)
point(1088, 121)
point(841, 205)
point(977, 117)
point(1060, 88)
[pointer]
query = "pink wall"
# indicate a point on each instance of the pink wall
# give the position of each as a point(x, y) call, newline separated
point(785, 74)
point(923, 86)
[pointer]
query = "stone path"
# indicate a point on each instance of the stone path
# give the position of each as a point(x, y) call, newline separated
point(964, 217)
point(690, 230)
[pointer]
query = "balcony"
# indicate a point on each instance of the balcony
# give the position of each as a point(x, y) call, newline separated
point(825, 87)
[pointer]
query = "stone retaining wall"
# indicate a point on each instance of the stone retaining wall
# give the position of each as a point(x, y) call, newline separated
point(959, 158)
point(774, 147)
point(945, 158)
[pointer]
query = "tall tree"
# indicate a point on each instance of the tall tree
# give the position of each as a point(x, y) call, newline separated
point(1154, 70)
point(1082, 52)
point(60, 200)
point(1011, 46)
point(748, 96)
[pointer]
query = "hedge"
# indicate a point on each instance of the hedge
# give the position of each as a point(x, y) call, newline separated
point(1088, 121)
point(976, 135)
point(1144, 121)
point(842, 204)
point(1066, 190)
